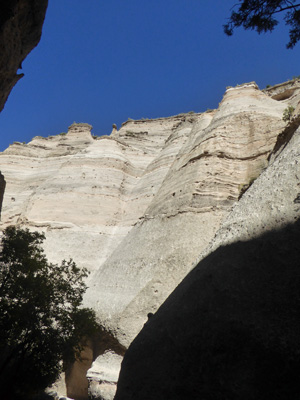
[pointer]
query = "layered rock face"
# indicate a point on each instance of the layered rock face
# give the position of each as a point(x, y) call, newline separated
point(230, 329)
point(140, 206)
point(21, 24)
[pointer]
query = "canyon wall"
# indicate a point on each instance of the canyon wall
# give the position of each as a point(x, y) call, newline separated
point(138, 208)
point(230, 329)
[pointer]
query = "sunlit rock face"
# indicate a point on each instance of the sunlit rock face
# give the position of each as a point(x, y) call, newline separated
point(21, 24)
point(138, 207)
point(230, 329)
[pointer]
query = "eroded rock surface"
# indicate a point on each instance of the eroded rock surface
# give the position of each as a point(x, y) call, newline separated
point(229, 331)
point(138, 207)
point(21, 24)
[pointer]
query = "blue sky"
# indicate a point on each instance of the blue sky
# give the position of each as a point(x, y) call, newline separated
point(104, 61)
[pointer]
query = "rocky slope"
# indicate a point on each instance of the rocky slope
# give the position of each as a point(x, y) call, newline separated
point(140, 206)
point(21, 24)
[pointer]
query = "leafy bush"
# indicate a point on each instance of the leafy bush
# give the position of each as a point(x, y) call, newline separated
point(287, 113)
point(41, 319)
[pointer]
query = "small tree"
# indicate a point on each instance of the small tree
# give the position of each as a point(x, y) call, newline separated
point(41, 321)
point(287, 113)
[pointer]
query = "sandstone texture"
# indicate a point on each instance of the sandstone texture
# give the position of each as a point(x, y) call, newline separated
point(230, 329)
point(140, 207)
point(21, 24)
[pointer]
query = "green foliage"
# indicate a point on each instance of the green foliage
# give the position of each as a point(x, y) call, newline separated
point(260, 16)
point(63, 133)
point(41, 321)
point(287, 113)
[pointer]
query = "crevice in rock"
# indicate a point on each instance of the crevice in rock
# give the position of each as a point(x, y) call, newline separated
point(221, 154)
point(285, 136)
point(105, 340)
point(2, 189)
point(284, 95)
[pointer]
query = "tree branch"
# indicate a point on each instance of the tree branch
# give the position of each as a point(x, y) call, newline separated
point(286, 8)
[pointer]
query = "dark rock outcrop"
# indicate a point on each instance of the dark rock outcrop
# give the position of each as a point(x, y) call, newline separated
point(21, 24)
point(2, 188)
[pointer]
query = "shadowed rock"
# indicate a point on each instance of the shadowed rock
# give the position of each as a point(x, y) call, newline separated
point(21, 24)
point(229, 331)
point(2, 188)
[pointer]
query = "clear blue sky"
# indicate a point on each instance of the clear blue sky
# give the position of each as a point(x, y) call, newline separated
point(102, 61)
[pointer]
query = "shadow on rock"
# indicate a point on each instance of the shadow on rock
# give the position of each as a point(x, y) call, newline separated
point(229, 331)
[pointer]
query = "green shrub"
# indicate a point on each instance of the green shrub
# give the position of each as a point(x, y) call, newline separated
point(287, 113)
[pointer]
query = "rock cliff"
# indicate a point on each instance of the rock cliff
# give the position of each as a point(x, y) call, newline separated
point(21, 24)
point(230, 329)
point(141, 206)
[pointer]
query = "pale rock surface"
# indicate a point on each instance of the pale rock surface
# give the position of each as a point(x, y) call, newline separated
point(139, 206)
point(104, 375)
point(222, 152)
point(276, 190)
point(230, 329)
